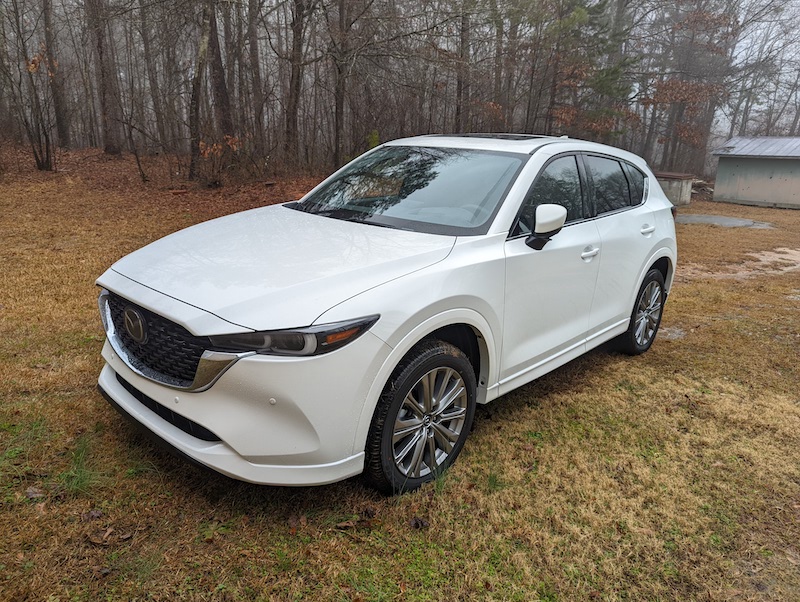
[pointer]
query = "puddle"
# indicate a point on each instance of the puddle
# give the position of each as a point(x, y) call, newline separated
point(725, 222)
point(764, 263)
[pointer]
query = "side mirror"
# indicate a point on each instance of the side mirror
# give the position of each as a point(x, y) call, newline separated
point(549, 221)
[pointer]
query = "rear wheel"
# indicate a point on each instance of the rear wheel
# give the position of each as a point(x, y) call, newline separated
point(646, 315)
point(422, 418)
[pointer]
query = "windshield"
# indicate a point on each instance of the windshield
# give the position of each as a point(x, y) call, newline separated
point(436, 190)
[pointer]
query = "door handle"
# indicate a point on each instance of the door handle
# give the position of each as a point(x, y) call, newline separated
point(590, 252)
point(647, 229)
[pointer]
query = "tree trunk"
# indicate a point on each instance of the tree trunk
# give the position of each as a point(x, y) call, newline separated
point(462, 72)
point(56, 81)
point(794, 131)
point(152, 78)
point(510, 70)
point(497, 19)
point(341, 52)
point(219, 88)
point(551, 106)
point(107, 88)
point(197, 87)
point(300, 10)
point(253, 12)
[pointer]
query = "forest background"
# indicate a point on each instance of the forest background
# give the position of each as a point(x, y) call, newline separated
point(245, 88)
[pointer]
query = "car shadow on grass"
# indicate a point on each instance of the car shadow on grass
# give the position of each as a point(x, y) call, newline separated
point(187, 478)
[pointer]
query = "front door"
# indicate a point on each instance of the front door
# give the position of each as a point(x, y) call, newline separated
point(549, 292)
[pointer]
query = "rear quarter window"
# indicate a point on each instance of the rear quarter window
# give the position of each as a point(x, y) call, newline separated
point(611, 190)
point(636, 180)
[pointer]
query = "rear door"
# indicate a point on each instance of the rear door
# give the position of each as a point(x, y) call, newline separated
point(627, 228)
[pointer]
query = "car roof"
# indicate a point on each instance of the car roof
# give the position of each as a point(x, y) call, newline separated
point(518, 143)
point(515, 143)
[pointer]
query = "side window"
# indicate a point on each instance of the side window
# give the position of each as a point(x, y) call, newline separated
point(636, 181)
point(559, 183)
point(611, 191)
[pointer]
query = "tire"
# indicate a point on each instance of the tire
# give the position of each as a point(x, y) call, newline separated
point(646, 315)
point(422, 418)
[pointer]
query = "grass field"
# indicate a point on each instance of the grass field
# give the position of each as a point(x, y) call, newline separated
point(670, 476)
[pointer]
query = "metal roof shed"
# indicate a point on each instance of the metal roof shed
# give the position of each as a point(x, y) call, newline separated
point(759, 171)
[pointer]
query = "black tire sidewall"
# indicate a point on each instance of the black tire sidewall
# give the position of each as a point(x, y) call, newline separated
point(438, 354)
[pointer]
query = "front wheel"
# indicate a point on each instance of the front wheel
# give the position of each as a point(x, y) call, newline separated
point(422, 418)
point(646, 315)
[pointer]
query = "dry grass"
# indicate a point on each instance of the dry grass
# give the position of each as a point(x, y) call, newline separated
point(673, 476)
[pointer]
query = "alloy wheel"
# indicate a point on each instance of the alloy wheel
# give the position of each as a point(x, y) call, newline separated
point(648, 313)
point(430, 422)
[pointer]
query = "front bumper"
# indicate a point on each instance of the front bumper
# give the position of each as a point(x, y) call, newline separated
point(278, 420)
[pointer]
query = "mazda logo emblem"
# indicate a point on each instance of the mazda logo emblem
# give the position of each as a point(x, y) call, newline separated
point(135, 325)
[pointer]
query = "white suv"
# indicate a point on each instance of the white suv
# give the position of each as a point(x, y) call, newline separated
point(356, 329)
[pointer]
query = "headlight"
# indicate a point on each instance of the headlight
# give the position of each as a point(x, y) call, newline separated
point(313, 340)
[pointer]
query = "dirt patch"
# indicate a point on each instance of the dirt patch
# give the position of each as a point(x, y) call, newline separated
point(764, 263)
point(667, 333)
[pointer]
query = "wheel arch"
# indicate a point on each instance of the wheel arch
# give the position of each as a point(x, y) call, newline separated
point(662, 259)
point(663, 265)
point(464, 328)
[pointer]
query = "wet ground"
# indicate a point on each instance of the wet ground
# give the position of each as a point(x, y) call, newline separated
point(720, 220)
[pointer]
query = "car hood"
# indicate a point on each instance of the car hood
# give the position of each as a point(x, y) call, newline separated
point(276, 267)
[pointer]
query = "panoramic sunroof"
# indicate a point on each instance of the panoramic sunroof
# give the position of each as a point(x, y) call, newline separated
point(497, 136)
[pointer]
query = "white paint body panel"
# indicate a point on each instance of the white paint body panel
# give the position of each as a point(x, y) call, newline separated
point(276, 267)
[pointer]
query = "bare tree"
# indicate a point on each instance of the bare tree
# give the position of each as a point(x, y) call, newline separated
point(313, 82)
point(106, 73)
point(197, 89)
point(56, 79)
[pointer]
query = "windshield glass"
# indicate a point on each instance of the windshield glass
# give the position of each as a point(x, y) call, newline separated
point(436, 190)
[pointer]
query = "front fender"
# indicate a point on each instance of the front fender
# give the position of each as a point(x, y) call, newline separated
point(487, 387)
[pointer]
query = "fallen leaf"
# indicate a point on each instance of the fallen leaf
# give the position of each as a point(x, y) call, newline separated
point(419, 523)
point(96, 540)
point(348, 524)
point(91, 515)
point(34, 493)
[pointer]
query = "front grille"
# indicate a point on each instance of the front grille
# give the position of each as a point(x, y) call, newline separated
point(169, 348)
point(183, 423)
